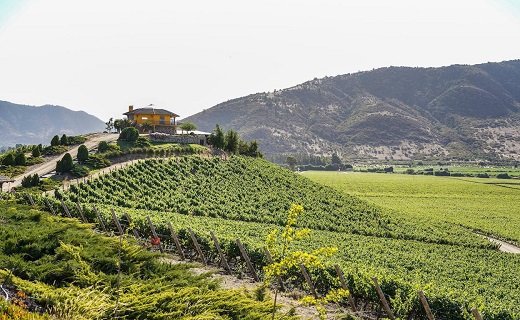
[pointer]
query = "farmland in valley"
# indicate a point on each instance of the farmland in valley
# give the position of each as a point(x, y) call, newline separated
point(407, 249)
point(486, 205)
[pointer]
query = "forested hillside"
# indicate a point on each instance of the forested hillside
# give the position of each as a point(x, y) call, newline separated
point(461, 111)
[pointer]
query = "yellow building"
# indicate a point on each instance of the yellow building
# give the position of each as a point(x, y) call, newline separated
point(150, 118)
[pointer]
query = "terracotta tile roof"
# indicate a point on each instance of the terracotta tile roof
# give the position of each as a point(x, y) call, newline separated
point(150, 111)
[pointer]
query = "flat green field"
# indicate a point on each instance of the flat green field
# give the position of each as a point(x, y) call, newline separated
point(489, 205)
point(492, 171)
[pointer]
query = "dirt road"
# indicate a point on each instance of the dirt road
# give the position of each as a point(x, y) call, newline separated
point(504, 246)
point(49, 166)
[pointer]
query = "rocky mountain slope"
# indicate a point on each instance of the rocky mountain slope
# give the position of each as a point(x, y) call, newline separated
point(32, 125)
point(459, 111)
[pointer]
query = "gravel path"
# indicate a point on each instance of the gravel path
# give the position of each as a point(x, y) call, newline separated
point(504, 246)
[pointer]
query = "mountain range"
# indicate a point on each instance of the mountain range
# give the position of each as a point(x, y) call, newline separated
point(458, 111)
point(23, 124)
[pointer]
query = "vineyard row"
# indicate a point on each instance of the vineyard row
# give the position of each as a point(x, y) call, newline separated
point(234, 258)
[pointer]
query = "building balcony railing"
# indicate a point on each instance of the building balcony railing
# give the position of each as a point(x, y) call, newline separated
point(160, 123)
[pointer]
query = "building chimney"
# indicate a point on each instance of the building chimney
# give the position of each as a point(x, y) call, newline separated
point(130, 108)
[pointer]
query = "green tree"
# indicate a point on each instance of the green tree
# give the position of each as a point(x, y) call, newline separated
point(147, 126)
point(35, 180)
point(243, 147)
point(391, 169)
point(64, 140)
point(59, 167)
point(232, 141)
point(65, 164)
point(286, 258)
point(55, 141)
point(82, 153)
point(26, 182)
point(20, 159)
point(125, 123)
point(103, 146)
point(249, 149)
point(109, 125)
point(129, 134)
point(217, 138)
point(118, 125)
point(187, 126)
point(336, 159)
point(254, 151)
point(291, 162)
point(36, 152)
point(8, 159)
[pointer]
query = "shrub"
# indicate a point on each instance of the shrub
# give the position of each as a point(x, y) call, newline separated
point(71, 140)
point(35, 180)
point(55, 141)
point(457, 174)
point(82, 153)
point(8, 160)
point(129, 134)
point(102, 146)
point(65, 164)
point(503, 176)
point(80, 171)
point(31, 181)
point(64, 140)
point(26, 181)
point(332, 167)
point(53, 150)
point(36, 152)
point(20, 159)
point(109, 150)
point(97, 161)
point(142, 142)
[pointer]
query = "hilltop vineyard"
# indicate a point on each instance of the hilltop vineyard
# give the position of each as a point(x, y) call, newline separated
point(251, 190)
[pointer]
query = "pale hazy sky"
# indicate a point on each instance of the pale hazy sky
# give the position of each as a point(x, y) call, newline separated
point(185, 56)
